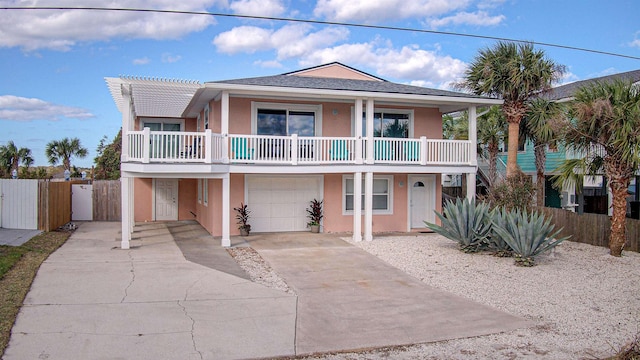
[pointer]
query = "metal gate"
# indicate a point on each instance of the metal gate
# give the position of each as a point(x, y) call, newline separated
point(81, 202)
point(19, 204)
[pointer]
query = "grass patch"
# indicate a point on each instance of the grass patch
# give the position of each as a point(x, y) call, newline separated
point(18, 266)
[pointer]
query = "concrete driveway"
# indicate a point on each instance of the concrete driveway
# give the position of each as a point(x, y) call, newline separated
point(93, 300)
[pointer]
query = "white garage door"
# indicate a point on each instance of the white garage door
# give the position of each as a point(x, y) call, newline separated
point(280, 203)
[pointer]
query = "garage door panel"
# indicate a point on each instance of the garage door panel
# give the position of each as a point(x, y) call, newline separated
point(280, 203)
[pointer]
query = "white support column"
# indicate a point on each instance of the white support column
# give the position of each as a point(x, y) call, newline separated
point(208, 146)
point(226, 211)
point(358, 131)
point(127, 121)
point(294, 149)
point(357, 206)
point(146, 145)
point(224, 123)
point(471, 186)
point(132, 198)
point(125, 212)
point(368, 206)
point(370, 132)
point(473, 136)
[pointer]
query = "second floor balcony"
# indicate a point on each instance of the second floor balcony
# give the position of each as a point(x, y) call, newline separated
point(210, 148)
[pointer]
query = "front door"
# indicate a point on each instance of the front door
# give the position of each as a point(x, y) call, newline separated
point(166, 198)
point(422, 200)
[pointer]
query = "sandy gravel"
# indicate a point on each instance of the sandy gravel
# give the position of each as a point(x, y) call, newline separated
point(585, 303)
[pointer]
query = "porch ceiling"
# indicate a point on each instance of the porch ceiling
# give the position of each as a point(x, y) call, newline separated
point(153, 97)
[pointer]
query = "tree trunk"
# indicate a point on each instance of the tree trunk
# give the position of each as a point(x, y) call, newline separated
point(541, 159)
point(617, 238)
point(512, 150)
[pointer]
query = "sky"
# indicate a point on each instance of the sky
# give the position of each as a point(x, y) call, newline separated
point(53, 62)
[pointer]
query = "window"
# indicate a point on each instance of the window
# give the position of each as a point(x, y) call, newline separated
point(199, 191)
point(286, 119)
point(382, 194)
point(205, 192)
point(392, 123)
point(162, 124)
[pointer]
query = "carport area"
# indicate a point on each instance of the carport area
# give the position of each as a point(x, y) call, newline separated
point(161, 299)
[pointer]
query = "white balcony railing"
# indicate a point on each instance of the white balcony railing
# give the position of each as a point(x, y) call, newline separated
point(205, 147)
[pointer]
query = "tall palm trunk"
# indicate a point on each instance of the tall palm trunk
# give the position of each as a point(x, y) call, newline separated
point(541, 159)
point(512, 149)
point(618, 174)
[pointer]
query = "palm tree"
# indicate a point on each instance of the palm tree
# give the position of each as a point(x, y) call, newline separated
point(605, 133)
point(515, 73)
point(11, 156)
point(492, 131)
point(541, 122)
point(63, 150)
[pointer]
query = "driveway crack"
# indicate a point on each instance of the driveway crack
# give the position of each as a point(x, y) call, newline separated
point(193, 325)
point(133, 278)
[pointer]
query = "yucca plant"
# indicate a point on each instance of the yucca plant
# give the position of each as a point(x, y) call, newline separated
point(465, 222)
point(528, 235)
point(495, 242)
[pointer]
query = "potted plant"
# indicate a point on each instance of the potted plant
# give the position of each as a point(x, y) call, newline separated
point(314, 213)
point(243, 216)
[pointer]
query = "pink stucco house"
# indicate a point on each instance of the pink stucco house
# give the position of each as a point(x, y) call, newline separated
point(197, 150)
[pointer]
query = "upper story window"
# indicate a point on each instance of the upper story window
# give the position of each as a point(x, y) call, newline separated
point(286, 119)
point(162, 124)
point(392, 123)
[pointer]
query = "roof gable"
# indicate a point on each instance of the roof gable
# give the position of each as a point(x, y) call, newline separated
point(335, 70)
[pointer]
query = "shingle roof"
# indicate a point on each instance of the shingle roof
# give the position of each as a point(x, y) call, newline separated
point(567, 91)
point(307, 82)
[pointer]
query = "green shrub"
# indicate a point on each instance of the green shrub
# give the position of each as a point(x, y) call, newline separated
point(465, 222)
point(516, 192)
point(528, 234)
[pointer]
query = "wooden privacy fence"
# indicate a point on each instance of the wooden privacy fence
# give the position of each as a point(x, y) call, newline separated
point(592, 229)
point(106, 200)
point(54, 207)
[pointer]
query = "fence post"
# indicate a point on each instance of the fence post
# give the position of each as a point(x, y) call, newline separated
point(146, 145)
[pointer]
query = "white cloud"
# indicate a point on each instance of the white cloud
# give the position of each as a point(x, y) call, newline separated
point(62, 29)
point(636, 40)
point(141, 61)
point(268, 63)
point(168, 58)
point(288, 42)
point(258, 7)
point(480, 18)
point(15, 108)
point(375, 11)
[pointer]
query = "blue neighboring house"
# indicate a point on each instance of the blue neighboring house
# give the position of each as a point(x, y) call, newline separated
point(594, 197)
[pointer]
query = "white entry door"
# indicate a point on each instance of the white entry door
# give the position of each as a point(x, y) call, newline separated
point(166, 198)
point(422, 200)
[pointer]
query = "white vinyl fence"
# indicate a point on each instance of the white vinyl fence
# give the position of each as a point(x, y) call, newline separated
point(19, 204)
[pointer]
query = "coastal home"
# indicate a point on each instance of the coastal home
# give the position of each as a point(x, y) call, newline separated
point(594, 197)
point(371, 149)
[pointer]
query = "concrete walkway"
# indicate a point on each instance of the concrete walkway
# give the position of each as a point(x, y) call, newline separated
point(16, 237)
point(92, 300)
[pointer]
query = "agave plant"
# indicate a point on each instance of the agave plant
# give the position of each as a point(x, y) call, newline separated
point(528, 235)
point(465, 222)
point(495, 242)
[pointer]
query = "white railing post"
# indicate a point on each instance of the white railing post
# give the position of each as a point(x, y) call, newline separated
point(359, 145)
point(146, 145)
point(423, 150)
point(294, 149)
point(208, 146)
point(225, 148)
